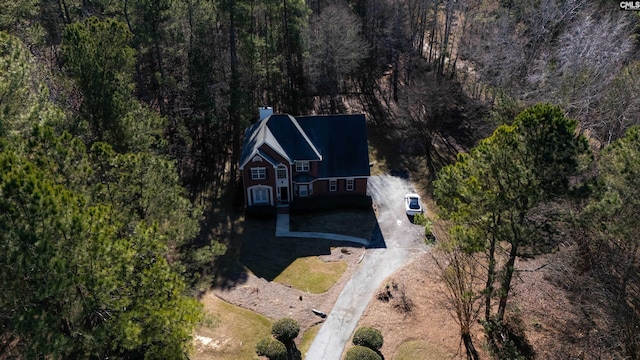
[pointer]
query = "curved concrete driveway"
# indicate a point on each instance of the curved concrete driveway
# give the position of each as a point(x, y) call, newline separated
point(402, 242)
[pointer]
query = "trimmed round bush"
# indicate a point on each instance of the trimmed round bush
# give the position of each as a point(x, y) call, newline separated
point(368, 337)
point(271, 348)
point(361, 353)
point(285, 330)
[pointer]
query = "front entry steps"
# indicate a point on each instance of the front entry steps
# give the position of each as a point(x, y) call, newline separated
point(282, 208)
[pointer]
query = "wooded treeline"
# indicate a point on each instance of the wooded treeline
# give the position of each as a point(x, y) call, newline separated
point(206, 66)
point(121, 120)
point(533, 187)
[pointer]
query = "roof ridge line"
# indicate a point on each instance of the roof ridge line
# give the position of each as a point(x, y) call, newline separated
point(280, 151)
point(304, 135)
point(261, 135)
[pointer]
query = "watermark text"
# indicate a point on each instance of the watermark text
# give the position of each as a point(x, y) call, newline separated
point(630, 5)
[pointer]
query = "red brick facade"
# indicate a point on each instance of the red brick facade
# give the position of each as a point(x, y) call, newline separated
point(320, 186)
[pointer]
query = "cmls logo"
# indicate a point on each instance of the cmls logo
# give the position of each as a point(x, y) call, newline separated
point(630, 5)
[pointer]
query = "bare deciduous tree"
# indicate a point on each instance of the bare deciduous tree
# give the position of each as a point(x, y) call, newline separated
point(577, 71)
point(336, 49)
point(620, 107)
point(425, 107)
point(460, 273)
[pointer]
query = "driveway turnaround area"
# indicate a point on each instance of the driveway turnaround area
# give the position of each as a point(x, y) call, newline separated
point(282, 229)
point(396, 244)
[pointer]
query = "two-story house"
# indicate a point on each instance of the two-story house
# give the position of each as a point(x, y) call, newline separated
point(287, 158)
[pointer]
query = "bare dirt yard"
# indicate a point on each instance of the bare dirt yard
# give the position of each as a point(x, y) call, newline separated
point(540, 307)
point(409, 307)
point(258, 258)
point(277, 301)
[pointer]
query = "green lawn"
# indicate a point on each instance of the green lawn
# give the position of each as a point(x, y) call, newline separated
point(421, 350)
point(311, 274)
point(233, 331)
point(307, 339)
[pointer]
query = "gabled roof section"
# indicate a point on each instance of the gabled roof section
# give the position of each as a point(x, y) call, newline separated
point(284, 135)
point(342, 141)
point(338, 142)
point(255, 136)
point(303, 178)
point(292, 138)
point(267, 158)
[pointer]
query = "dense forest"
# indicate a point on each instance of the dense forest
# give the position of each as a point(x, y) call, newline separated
point(121, 124)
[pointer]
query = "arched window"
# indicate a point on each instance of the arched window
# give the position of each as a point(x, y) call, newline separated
point(281, 172)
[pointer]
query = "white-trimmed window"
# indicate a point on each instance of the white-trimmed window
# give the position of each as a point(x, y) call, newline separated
point(333, 185)
point(258, 173)
point(304, 190)
point(260, 195)
point(349, 184)
point(281, 172)
point(302, 166)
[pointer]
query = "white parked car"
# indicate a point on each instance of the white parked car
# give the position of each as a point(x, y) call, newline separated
point(412, 204)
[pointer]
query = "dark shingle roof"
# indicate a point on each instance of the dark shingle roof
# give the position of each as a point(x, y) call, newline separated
point(291, 137)
point(303, 178)
point(256, 135)
point(283, 134)
point(340, 141)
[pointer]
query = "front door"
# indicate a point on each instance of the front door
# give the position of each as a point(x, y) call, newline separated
point(282, 183)
point(283, 192)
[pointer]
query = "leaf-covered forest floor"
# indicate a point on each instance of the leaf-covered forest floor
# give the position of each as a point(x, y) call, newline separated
point(543, 309)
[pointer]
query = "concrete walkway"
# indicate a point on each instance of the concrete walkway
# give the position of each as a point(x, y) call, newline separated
point(282, 230)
